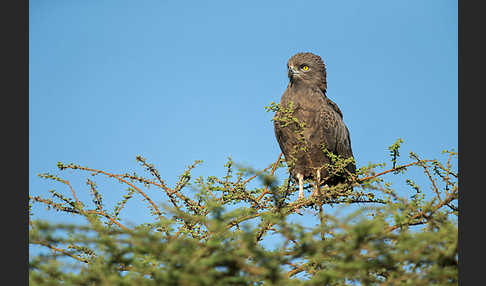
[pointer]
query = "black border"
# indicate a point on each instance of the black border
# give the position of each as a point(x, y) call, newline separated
point(15, 134)
point(471, 128)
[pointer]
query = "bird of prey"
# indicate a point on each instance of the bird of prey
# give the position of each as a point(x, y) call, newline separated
point(307, 121)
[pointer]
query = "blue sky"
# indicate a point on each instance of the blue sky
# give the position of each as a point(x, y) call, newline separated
point(178, 81)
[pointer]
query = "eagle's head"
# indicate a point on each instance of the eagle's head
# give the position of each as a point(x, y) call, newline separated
point(307, 68)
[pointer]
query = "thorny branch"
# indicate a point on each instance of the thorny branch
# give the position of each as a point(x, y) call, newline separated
point(258, 199)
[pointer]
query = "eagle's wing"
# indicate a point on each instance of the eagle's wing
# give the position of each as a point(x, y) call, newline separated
point(329, 129)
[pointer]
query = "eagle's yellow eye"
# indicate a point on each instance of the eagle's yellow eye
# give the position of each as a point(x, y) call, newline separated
point(305, 68)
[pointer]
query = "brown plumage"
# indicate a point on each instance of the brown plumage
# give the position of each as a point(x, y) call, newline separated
point(307, 120)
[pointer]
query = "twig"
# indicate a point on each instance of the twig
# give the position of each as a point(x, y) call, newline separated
point(273, 171)
point(422, 214)
point(297, 269)
point(391, 170)
point(72, 190)
point(59, 250)
point(101, 213)
point(253, 177)
point(436, 190)
point(120, 178)
point(209, 191)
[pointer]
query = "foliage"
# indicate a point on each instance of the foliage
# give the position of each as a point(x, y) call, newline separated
point(213, 231)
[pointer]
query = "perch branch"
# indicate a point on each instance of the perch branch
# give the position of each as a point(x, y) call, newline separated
point(273, 171)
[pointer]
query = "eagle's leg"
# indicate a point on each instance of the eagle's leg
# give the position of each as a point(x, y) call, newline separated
point(300, 177)
point(317, 183)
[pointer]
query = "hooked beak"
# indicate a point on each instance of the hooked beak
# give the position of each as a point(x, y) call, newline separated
point(291, 72)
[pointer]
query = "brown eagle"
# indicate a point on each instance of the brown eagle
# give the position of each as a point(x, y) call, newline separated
point(307, 121)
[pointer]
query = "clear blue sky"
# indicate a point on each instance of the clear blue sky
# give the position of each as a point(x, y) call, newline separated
point(178, 81)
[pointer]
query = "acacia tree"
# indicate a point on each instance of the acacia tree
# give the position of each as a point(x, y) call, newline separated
point(211, 231)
